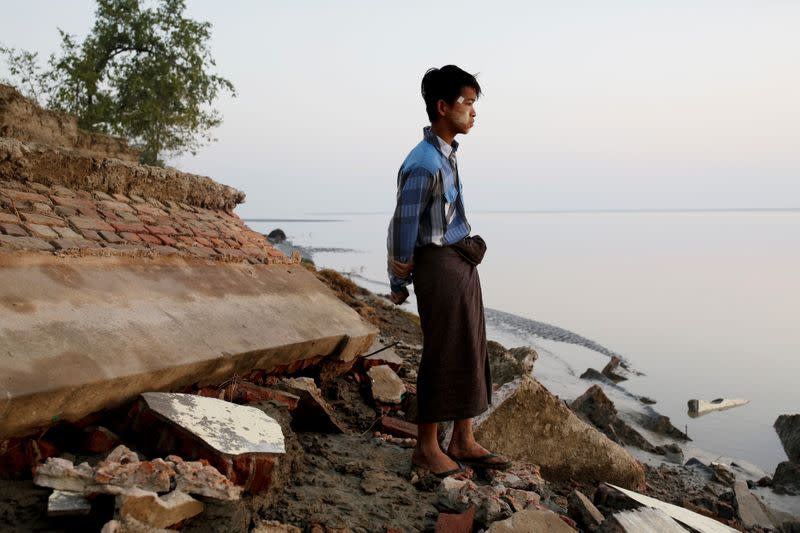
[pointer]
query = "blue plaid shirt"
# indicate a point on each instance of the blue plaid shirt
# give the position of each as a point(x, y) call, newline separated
point(430, 205)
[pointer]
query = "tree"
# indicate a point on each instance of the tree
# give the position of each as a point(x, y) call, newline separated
point(140, 73)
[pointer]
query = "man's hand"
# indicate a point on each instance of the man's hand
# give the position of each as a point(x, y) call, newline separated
point(399, 297)
point(401, 270)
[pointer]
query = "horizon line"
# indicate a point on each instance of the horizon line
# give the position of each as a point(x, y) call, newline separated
point(545, 211)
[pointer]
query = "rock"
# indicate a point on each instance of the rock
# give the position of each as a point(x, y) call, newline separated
point(583, 511)
point(593, 374)
point(273, 526)
point(702, 407)
point(640, 520)
point(594, 407)
point(398, 428)
point(615, 370)
point(164, 511)
point(194, 477)
point(456, 523)
point(313, 413)
point(242, 442)
point(387, 387)
point(504, 367)
point(723, 474)
point(277, 236)
point(689, 518)
point(647, 401)
point(63, 503)
point(531, 521)
point(787, 478)
point(788, 429)
point(671, 452)
point(525, 355)
point(661, 424)
point(700, 467)
point(751, 510)
point(534, 425)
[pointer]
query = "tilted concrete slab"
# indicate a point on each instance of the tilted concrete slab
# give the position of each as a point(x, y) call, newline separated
point(78, 334)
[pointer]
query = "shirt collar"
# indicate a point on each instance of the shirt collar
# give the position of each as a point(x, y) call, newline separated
point(439, 143)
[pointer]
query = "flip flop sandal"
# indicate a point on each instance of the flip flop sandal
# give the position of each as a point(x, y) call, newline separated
point(483, 461)
point(446, 473)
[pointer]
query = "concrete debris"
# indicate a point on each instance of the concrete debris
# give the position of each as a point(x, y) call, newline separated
point(583, 511)
point(387, 387)
point(522, 476)
point(194, 477)
point(696, 521)
point(492, 502)
point(227, 428)
point(313, 413)
point(752, 511)
point(531, 521)
point(456, 522)
point(788, 429)
point(640, 520)
point(240, 441)
point(533, 425)
point(63, 503)
point(158, 511)
point(384, 356)
point(701, 407)
point(504, 367)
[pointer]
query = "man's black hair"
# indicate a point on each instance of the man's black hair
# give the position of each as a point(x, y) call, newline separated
point(445, 84)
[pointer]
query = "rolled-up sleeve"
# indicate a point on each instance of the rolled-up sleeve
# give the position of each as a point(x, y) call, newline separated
point(413, 194)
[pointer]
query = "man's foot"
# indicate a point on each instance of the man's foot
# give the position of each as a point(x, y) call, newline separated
point(476, 456)
point(438, 463)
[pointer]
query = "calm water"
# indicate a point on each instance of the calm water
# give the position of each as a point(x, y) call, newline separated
point(704, 303)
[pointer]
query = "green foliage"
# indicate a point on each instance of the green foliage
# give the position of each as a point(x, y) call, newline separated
point(141, 73)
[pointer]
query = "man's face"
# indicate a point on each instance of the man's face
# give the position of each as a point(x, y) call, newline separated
point(461, 115)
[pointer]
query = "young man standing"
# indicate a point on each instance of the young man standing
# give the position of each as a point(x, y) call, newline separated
point(429, 245)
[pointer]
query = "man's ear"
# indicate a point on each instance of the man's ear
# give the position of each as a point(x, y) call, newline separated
point(441, 108)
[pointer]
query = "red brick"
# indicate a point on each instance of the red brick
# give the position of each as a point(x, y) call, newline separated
point(247, 392)
point(13, 230)
point(129, 236)
point(21, 196)
point(152, 239)
point(65, 244)
point(24, 243)
point(65, 211)
point(110, 236)
point(8, 218)
point(100, 195)
point(121, 197)
point(67, 233)
point(128, 227)
point(19, 456)
point(91, 234)
point(169, 241)
point(113, 205)
point(74, 203)
point(35, 218)
point(230, 252)
point(399, 428)
point(219, 243)
point(40, 230)
point(109, 216)
point(90, 223)
point(456, 523)
point(162, 230)
point(204, 241)
point(129, 217)
point(272, 252)
point(202, 251)
point(147, 209)
point(126, 247)
point(97, 439)
point(165, 250)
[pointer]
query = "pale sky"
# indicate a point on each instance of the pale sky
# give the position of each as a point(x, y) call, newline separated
point(594, 104)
